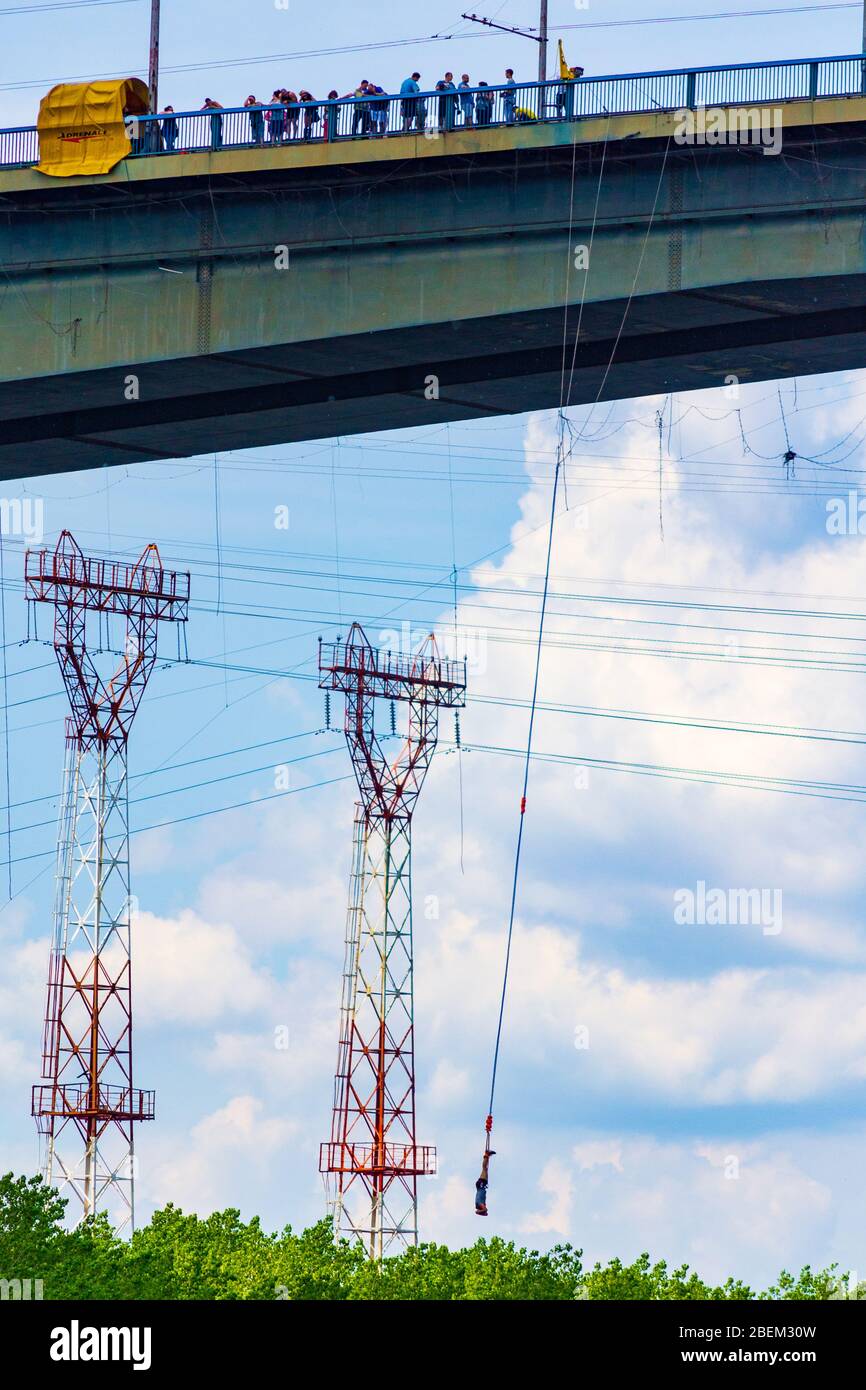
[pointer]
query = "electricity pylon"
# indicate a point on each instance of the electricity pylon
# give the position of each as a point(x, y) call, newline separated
point(86, 1106)
point(372, 1162)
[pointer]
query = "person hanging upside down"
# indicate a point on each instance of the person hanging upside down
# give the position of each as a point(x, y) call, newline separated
point(481, 1184)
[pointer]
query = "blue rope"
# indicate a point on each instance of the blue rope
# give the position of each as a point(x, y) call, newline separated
point(532, 709)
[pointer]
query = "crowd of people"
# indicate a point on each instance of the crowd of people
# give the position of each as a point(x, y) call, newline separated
point(289, 115)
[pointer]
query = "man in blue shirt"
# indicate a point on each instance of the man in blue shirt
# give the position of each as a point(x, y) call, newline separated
point(408, 105)
point(467, 99)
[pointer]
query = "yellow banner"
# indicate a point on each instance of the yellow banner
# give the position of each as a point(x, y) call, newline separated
point(82, 125)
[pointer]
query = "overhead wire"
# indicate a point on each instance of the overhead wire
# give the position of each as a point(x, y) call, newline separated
point(254, 60)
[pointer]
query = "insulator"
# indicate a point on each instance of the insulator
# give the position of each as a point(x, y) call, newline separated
point(327, 709)
point(457, 729)
point(393, 718)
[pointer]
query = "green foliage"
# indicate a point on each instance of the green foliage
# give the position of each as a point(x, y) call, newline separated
point(30, 1217)
point(492, 1270)
point(179, 1256)
point(822, 1284)
point(644, 1281)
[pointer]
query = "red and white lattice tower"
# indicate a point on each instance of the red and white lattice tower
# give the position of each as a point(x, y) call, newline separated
point(372, 1161)
point(86, 1105)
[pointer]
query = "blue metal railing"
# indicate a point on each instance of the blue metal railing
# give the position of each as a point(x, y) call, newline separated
point(433, 113)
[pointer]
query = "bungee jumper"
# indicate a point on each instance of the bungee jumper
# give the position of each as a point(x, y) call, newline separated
point(484, 1176)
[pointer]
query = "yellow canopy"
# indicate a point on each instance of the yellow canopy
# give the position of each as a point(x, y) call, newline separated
point(81, 125)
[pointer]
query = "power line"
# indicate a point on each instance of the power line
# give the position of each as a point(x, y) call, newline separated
point(383, 45)
point(190, 762)
point(442, 589)
point(62, 5)
point(797, 732)
point(788, 786)
point(714, 14)
point(853, 793)
point(196, 786)
point(202, 815)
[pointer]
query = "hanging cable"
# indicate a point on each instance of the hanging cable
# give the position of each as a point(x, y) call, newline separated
point(525, 790)
point(488, 1124)
point(560, 458)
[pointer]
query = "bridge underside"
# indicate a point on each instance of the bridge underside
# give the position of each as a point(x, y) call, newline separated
point(145, 316)
point(492, 366)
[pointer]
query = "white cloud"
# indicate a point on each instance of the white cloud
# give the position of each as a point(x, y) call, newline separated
point(192, 972)
point(449, 1083)
point(680, 1201)
point(222, 1161)
point(556, 1181)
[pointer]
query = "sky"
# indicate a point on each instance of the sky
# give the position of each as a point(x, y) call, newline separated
point(693, 1089)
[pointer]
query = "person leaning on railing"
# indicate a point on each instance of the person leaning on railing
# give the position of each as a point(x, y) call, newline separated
point(276, 118)
point(361, 109)
point(216, 122)
point(257, 120)
point(290, 101)
point(378, 109)
point(311, 114)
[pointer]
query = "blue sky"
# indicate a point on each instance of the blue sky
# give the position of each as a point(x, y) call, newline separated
point(705, 1042)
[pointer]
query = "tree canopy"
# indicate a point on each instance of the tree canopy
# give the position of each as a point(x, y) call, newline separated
point(181, 1256)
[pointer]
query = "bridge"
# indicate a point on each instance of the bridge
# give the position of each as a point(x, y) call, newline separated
point(237, 291)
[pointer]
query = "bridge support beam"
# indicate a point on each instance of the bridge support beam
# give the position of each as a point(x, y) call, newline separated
point(165, 317)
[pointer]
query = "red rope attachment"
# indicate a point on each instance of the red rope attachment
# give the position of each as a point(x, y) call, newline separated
point(488, 1123)
point(523, 805)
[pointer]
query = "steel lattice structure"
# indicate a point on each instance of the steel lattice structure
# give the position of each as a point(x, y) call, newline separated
point(372, 1161)
point(86, 1106)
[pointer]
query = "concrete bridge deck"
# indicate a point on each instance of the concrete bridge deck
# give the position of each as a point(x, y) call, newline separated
point(146, 313)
